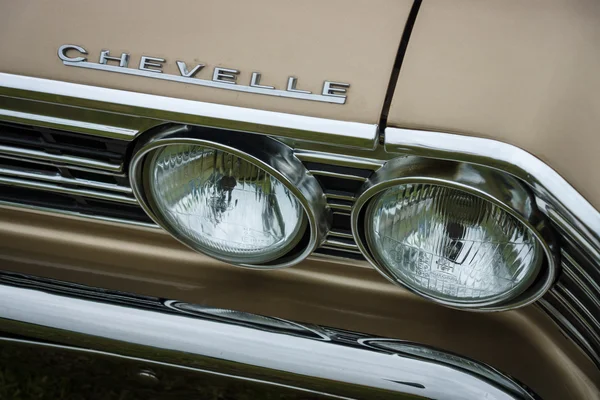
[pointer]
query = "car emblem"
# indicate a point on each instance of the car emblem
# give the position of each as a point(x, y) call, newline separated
point(222, 78)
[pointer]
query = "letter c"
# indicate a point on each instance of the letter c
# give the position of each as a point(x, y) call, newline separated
point(62, 53)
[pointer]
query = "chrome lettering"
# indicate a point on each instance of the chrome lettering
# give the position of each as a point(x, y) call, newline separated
point(255, 81)
point(225, 75)
point(62, 53)
point(291, 86)
point(184, 71)
point(151, 64)
point(335, 89)
point(123, 60)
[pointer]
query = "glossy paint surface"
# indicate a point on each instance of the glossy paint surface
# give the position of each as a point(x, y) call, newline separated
point(313, 41)
point(520, 72)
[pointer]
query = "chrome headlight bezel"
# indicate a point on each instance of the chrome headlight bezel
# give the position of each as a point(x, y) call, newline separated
point(272, 156)
point(501, 190)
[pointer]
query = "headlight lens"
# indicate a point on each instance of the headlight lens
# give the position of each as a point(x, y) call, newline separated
point(450, 245)
point(224, 205)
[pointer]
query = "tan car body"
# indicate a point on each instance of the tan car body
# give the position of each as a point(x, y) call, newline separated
point(491, 69)
point(522, 72)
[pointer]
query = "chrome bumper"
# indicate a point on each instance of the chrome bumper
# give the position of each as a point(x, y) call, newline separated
point(279, 356)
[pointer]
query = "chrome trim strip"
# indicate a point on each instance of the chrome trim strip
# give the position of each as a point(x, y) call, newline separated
point(337, 159)
point(341, 212)
point(337, 175)
point(330, 242)
point(212, 84)
point(562, 202)
point(57, 178)
point(63, 159)
point(67, 124)
point(312, 129)
point(342, 207)
point(339, 196)
point(66, 166)
point(309, 357)
point(338, 212)
point(341, 234)
point(66, 190)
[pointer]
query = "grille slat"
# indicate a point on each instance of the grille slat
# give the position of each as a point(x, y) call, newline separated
point(337, 175)
point(57, 159)
point(337, 160)
point(334, 195)
point(67, 190)
point(54, 145)
point(339, 243)
point(339, 206)
point(341, 234)
point(61, 180)
point(72, 204)
point(71, 166)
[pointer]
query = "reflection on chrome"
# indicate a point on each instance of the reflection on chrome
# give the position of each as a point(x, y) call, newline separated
point(55, 313)
point(404, 348)
point(243, 318)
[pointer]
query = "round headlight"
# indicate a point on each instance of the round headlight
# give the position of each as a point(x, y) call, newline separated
point(223, 205)
point(450, 244)
point(458, 234)
point(247, 202)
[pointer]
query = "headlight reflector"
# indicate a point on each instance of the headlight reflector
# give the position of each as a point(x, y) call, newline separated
point(451, 245)
point(224, 205)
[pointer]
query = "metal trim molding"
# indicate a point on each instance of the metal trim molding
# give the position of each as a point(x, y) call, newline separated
point(207, 83)
point(58, 159)
point(67, 124)
point(556, 197)
point(345, 364)
point(52, 187)
point(168, 109)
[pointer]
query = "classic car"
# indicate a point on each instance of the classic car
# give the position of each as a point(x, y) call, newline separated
point(270, 199)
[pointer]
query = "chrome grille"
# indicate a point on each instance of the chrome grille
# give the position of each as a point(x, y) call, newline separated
point(574, 301)
point(85, 174)
point(341, 179)
point(62, 170)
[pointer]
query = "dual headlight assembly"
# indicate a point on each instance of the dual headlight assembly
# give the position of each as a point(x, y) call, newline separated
point(458, 234)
